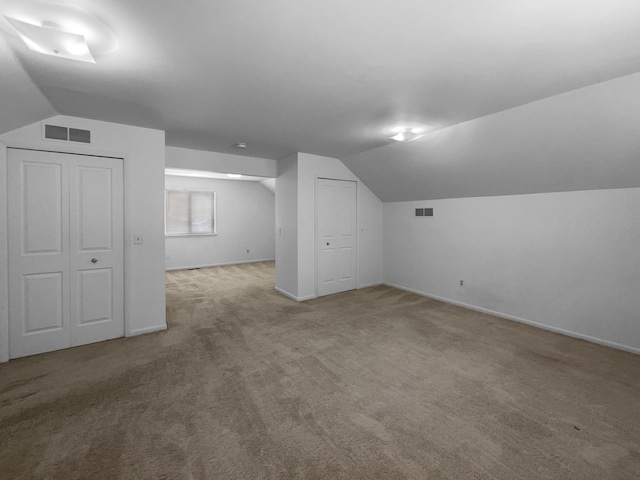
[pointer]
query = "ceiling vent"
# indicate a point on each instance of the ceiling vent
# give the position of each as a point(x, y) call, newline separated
point(56, 132)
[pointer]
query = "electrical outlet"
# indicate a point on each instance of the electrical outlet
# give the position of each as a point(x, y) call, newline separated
point(462, 283)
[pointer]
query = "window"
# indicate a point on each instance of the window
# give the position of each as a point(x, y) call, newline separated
point(190, 212)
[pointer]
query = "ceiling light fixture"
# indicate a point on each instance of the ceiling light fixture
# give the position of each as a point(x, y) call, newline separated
point(241, 145)
point(407, 135)
point(234, 175)
point(60, 30)
point(51, 39)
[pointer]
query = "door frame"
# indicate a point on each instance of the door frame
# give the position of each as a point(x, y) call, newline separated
point(315, 227)
point(4, 250)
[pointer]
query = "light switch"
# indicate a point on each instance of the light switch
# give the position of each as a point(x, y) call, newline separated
point(137, 239)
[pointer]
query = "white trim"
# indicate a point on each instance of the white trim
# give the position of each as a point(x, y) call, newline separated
point(142, 331)
point(293, 297)
point(367, 285)
point(4, 259)
point(64, 147)
point(543, 326)
point(219, 264)
point(128, 244)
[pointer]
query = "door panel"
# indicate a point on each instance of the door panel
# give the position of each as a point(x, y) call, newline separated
point(326, 267)
point(42, 302)
point(95, 200)
point(96, 295)
point(66, 265)
point(336, 236)
point(38, 230)
point(97, 257)
point(42, 207)
point(346, 263)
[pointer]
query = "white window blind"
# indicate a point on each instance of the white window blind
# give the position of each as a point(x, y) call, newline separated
point(190, 212)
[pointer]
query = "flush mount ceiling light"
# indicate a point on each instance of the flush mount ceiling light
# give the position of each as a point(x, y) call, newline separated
point(51, 39)
point(406, 131)
point(61, 30)
point(241, 145)
point(407, 135)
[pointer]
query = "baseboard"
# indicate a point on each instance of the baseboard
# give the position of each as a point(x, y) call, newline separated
point(293, 297)
point(308, 297)
point(142, 331)
point(525, 321)
point(218, 264)
point(367, 285)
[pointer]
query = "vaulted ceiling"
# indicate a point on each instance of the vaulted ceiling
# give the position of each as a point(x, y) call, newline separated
point(329, 77)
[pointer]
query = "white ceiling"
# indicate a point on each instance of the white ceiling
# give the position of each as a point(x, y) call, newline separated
point(324, 77)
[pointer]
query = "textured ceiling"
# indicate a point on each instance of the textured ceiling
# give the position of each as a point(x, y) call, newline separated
point(326, 77)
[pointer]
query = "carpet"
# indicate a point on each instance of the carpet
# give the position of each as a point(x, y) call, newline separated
point(370, 384)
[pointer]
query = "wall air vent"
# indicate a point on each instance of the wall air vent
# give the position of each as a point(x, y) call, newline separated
point(424, 212)
point(77, 135)
point(56, 132)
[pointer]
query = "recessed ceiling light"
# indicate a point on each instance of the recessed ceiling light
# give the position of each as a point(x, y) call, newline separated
point(407, 135)
point(234, 175)
point(241, 145)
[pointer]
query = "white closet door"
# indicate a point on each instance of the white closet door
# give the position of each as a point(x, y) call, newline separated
point(96, 250)
point(66, 279)
point(38, 252)
point(336, 231)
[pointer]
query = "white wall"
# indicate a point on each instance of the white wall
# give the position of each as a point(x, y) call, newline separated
point(143, 151)
point(245, 221)
point(187, 158)
point(4, 259)
point(566, 261)
point(296, 186)
point(369, 222)
point(287, 226)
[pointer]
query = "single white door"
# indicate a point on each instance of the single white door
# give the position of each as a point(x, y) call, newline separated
point(66, 275)
point(336, 236)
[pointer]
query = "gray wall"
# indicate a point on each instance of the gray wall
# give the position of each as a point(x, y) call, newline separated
point(143, 151)
point(295, 224)
point(566, 261)
point(246, 221)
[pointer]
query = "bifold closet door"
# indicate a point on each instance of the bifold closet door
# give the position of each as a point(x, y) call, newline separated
point(66, 269)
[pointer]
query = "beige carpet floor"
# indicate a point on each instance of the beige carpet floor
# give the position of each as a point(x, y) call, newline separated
point(369, 384)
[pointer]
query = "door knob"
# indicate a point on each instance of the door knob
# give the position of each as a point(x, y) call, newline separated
point(94, 260)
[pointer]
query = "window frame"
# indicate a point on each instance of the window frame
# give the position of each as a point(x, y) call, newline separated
point(214, 215)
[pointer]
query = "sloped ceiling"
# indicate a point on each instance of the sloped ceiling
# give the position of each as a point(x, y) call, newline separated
point(21, 103)
point(330, 77)
point(581, 140)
